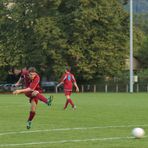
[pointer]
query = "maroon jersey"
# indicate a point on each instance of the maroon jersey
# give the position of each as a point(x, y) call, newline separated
point(34, 84)
point(68, 79)
point(25, 77)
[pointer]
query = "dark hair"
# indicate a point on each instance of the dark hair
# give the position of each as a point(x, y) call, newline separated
point(68, 68)
point(32, 69)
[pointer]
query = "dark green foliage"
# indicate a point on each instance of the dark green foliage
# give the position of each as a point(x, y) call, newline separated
point(143, 54)
point(89, 35)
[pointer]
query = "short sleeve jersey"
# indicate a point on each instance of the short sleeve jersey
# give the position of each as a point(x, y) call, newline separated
point(68, 79)
point(34, 84)
point(25, 77)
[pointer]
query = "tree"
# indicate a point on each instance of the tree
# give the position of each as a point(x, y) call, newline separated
point(90, 35)
point(96, 36)
point(143, 54)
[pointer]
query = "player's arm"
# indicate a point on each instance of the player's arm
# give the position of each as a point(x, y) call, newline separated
point(19, 91)
point(35, 82)
point(19, 81)
point(77, 88)
point(31, 87)
point(60, 84)
point(75, 83)
point(61, 80)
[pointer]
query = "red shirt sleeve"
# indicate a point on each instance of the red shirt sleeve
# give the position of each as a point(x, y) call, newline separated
point(34, 83)
point(73, 78)
point(25, 78)
point(63, 77)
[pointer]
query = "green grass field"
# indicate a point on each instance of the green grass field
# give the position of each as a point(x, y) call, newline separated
point(100, 121)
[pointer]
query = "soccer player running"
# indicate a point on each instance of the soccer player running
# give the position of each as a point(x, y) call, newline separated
point(68, 80)
point(32, 90)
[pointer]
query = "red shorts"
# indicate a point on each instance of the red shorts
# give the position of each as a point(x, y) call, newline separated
point(67, 92)
point(29, 95)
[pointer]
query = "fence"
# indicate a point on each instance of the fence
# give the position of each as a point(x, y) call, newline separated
point(138, 87)
point(113, 87)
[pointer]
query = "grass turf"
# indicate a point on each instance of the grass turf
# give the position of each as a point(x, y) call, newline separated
point(100, 121)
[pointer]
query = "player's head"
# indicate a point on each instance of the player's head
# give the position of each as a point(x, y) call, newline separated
point(31, 69)
point(16, 71)
point(32, 72)
point(68, 69)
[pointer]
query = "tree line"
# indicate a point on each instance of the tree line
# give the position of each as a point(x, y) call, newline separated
point(92, 36)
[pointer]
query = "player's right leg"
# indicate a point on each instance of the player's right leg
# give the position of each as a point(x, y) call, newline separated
point(47, 101)
point(50, 99)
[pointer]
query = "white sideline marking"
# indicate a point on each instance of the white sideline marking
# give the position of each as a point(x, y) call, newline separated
point(69, 129)
point(64, 141)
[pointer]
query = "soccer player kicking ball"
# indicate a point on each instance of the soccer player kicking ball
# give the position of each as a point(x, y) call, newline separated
point(32, 91)
point(68, 80)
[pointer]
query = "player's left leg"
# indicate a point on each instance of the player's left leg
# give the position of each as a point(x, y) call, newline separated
point(66, 104)
point(69, 100)
point(32, 113)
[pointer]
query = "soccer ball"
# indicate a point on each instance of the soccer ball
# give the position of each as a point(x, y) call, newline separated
point(138, 132)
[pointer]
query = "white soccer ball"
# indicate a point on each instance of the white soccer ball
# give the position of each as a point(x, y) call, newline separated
point(138, 132)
